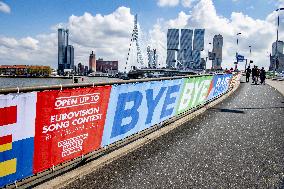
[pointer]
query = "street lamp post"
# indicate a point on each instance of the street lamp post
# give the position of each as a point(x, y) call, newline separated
point(247, 59)
point(250, 51)
point(237, 50)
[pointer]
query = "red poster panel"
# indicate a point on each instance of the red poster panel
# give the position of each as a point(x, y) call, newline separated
point(69, 123)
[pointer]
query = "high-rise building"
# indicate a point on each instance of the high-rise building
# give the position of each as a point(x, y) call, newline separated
point(196, 60)
point(217, 50)
point(86, 70)
point(181, 52)
point(81, 69)
point(185, 50)
point(279, 47)
point(65, 52)
point(152, 57)
point(69, 57)
point(277, 59)
point(92, 62)
point(61, 50)
point(198, 41)
point(172, 47)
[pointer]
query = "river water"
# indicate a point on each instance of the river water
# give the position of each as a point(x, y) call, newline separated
point(27, 82)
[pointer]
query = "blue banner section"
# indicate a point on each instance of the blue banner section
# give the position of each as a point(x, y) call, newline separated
point(20, 156)
point(220, 84)
point(135, 107)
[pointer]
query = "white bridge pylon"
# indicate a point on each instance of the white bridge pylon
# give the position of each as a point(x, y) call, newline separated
point(134, 57)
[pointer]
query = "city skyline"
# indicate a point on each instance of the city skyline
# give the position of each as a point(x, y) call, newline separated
point(111, 35)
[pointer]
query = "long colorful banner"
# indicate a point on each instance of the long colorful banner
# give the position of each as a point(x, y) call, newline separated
point(39, 130)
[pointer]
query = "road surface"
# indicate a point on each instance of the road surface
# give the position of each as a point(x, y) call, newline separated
point(237, 144)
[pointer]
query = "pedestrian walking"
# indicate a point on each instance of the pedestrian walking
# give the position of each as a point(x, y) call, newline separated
point(262, 76)
point(248, 72)
point(257, 75)
point(253, 74)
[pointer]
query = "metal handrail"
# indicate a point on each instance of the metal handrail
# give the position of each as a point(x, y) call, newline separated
point(68, 86)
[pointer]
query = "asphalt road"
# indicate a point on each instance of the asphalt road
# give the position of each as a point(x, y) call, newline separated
point(237, 144)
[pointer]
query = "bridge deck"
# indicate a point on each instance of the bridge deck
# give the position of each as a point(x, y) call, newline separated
point(237, 144)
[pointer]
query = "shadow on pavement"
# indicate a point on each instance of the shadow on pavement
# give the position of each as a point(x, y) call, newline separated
point(227, 110)
point(239, 110)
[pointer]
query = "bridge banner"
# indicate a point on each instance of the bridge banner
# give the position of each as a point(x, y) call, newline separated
point(220, 84)
point(69, 123)
point(17, 129)
point(135, 107)
point(195, 91)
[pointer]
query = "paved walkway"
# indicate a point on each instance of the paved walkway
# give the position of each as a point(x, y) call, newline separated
point(237, 144)
point(278, 85)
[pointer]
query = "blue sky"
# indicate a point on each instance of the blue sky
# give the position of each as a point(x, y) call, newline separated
point(28, 27)
point(32, 17)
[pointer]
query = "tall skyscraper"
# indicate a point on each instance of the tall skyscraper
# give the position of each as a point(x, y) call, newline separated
point(277, 59)
point(180, 49)
point(172, 47)
point(92, 62)
point(217, 50)
point(69, 57)
point(196, 60)
point(65, 51)
point(198, 41)
point(61, 50)
point(185, 51)
point(280, 46)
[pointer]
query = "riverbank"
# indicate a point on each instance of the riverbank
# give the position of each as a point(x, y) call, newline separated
point(43, 77)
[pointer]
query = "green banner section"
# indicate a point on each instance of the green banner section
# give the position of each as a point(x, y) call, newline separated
point(195, 91)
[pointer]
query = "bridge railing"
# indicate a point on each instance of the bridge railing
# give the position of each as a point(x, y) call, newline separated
point(43, 128)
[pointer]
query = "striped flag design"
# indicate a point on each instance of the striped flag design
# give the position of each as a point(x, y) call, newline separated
point(5, 143)
point(17, 125)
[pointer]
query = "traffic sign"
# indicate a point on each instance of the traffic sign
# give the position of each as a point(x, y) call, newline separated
point(240, 58)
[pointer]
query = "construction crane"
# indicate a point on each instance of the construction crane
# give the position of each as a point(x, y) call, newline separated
point(134, 39)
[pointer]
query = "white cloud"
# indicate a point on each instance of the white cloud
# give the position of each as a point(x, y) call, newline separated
point(29, 43)
point(108, 35)
point(280, 3)
point(170, 3)
point(8, 42)
point(187, 3)
point(255, 32)
point(4, 7)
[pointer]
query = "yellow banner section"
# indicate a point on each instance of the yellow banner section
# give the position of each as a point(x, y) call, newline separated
point(5, 147)
point(8, 167)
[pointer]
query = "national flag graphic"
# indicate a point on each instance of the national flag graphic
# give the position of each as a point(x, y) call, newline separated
point(17, 125)
point(5, 143)
point(8, 115)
